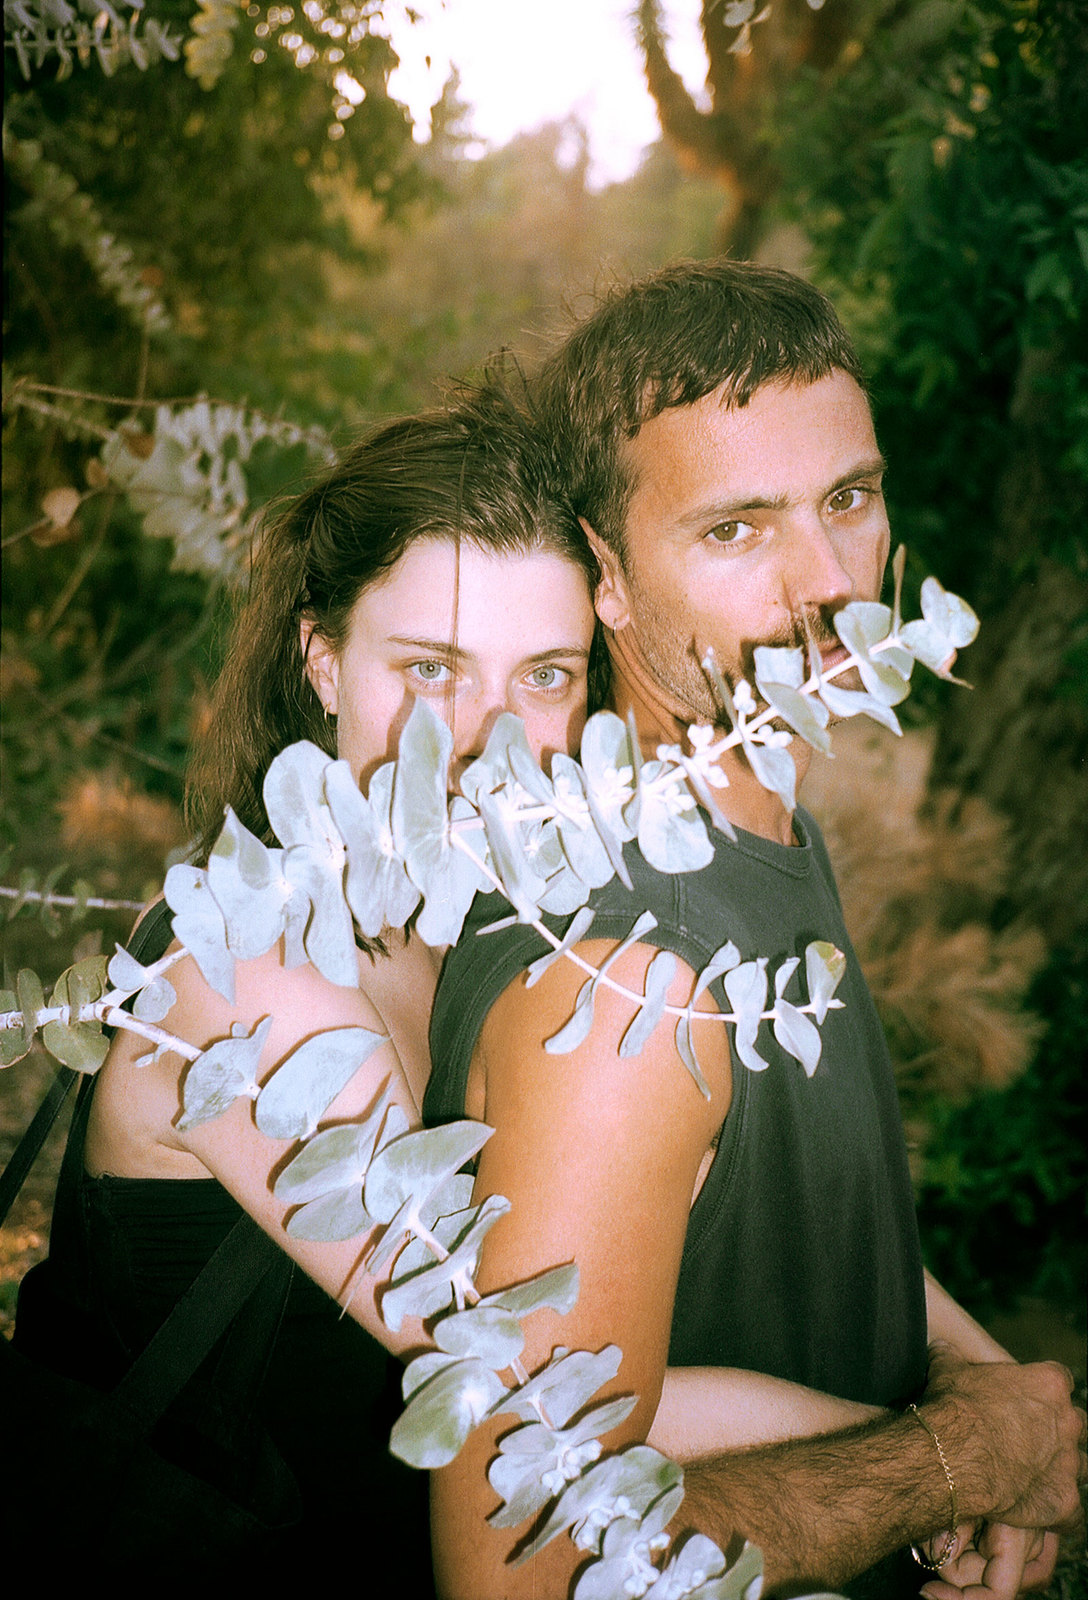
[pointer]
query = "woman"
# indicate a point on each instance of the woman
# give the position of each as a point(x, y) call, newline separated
point(429, 562)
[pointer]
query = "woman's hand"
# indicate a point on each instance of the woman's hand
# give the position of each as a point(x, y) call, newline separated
point(991, 1561)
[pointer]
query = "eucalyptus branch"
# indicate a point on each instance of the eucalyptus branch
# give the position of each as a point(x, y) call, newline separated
point(89, 902)
point(110, 1012)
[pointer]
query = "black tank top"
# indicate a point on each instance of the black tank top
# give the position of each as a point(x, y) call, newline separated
point(802, 1257)
point(124, 1250)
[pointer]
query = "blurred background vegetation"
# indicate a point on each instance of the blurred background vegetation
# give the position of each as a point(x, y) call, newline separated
point(252, 222)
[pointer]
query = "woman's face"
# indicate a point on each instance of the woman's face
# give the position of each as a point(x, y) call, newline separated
point(474, 632)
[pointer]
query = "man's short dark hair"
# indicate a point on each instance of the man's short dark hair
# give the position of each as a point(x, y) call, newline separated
point(667, 340)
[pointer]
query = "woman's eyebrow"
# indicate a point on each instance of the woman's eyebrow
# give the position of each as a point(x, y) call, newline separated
point(572, 651)
point(435, 647)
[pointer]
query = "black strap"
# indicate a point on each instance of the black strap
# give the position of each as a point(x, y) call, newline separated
point(28, 1149)
point(240, 1264)
point(150, 934)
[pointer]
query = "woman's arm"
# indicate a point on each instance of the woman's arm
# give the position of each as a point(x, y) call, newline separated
point(707, 1409)
point(136, 1109)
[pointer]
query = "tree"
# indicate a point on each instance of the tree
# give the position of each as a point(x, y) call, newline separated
point(170, 231)
point(748, 77)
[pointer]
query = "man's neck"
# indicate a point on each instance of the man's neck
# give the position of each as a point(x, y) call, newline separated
point(661, 718)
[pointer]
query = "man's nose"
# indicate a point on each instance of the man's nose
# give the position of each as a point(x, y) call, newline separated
point(817, 575)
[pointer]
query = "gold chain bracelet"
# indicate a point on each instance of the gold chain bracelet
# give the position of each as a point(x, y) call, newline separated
point(950, 1538)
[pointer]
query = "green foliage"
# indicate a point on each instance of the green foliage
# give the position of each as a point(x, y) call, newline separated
point(945, 188)
point(1001, 1204)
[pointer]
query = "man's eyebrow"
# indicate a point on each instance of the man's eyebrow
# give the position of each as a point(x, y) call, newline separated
point(867, 469)
point(730, 510)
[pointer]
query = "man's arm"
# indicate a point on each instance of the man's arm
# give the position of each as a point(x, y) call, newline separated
point(598, 1155)
point(825, 1509)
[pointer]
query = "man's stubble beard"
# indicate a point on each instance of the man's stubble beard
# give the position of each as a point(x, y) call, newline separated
point(675, 661)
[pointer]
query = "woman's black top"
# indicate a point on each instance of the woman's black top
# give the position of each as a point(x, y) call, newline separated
point(122, 1253)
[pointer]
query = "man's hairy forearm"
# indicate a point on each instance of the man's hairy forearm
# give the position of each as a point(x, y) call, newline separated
point(822, 1509)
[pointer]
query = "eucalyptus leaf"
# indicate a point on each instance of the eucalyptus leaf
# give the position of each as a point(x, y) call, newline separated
point(632, 1479)
point(948, 613)
point(535, 1462)
point(521, 884)
point(556, 1288)
point(784, 973)
point(317, 873)
point(332, 1159)
point(746, 987)
point(338, 1215)
point(418, 811)
point(824, 969)
point(854, 703)
point(781, 665)
point(576, 1030)
point(576, 930)
point(418, 1163)
point(155, 1002)
point(377, 887)
point(306, 1083)
point(79, 1044)
point(14, 1042)
point(564, 1385)
point(431, 1289)
point(198, 925)
point(294, 795)
point(487, 1332)
point(659, 974)
point(672, 836)
point(125, 972)
point(625, 1549)
point(775, 770)
point(696, 1563)
point(224, 1071)
point(806, 716)
point(447, 1214)
point(798, 1035)
point(583, 846)
point(249, 889)
point(82, 1046)
point(442, 1413)
point(723, 960)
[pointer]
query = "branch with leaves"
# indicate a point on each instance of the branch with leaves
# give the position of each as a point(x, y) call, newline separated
point(348, 861)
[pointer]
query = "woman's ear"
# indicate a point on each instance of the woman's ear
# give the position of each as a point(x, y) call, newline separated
point(610, 601)
point(322, 666)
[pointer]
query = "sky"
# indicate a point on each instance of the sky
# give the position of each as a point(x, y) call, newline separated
point(525, 62)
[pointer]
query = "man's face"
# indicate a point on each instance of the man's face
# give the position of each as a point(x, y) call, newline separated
point(744, 525)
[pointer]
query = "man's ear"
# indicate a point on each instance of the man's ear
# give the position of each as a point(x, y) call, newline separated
point(610, 601)
point(322, 665)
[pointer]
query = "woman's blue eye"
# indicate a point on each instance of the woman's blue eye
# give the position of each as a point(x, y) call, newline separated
point(430, 671)
point(544, 677)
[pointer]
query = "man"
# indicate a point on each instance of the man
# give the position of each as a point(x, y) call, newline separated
point(718, 445)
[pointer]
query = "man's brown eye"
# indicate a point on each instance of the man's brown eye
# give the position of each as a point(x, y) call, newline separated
point(729, 532)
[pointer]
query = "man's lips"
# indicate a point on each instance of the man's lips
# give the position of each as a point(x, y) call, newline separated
point(833, 655)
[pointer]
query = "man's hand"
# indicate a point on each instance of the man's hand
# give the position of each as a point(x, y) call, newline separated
point(995, 1562)
point(1014, 1440)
